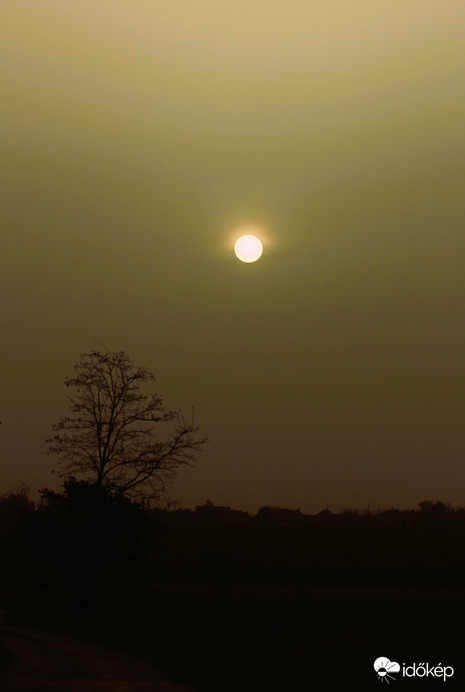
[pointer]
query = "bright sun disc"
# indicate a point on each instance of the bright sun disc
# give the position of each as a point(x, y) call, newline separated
point(248, 248)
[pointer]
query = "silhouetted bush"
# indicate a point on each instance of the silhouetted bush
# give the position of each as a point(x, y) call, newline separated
point(12, 503)
point(86, 541)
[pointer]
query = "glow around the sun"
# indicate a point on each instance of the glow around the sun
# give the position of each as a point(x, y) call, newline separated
point(248, 248)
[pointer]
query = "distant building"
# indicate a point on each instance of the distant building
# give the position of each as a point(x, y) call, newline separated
point(324, 518)
point(278, 516)
point(213, 514)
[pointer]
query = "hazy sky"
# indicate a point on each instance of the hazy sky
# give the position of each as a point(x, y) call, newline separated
point(137, 137)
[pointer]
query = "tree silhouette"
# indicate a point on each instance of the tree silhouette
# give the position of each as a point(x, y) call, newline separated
point(111, 439)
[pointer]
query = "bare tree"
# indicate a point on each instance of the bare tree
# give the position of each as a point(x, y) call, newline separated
point(111, 439)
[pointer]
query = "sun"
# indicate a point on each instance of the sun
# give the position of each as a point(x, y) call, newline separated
point(248, 248)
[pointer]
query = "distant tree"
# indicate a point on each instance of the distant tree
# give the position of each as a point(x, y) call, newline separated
point(111, 440)
point(426, 506)
point(12, 503)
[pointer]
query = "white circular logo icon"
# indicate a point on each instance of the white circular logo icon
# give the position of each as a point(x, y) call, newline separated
point(384, 667)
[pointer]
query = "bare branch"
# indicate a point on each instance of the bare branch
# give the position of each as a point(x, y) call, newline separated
point(111, 437)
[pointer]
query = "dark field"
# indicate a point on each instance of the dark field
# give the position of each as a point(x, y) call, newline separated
point(252, 608)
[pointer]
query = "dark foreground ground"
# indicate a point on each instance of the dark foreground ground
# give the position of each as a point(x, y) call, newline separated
point(265, 639)
point(278, 611)
point(36, 661)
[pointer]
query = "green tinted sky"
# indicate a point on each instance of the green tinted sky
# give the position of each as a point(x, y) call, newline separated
point(137, 137)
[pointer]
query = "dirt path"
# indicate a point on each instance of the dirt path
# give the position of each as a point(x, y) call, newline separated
point(47, 662)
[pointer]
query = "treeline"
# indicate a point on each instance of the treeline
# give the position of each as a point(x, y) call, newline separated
point(17, 501)
point(427, 512)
